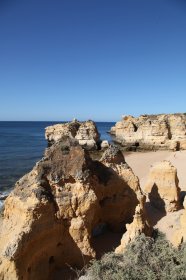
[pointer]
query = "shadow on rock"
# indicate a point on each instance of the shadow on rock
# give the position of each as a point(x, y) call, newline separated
point(155, 208)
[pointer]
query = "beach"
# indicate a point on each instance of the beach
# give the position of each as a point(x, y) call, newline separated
point(141, 162)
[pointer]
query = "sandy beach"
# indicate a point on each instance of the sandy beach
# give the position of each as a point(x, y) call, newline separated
point(141, 162)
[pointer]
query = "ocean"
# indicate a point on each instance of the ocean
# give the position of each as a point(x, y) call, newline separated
point(22, 144)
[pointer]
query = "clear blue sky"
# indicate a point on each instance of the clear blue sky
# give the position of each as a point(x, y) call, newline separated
point(91, 59)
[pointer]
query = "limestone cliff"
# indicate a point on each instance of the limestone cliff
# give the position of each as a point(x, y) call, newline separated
point(52, 212)
point(85, 133)
point(151, 132)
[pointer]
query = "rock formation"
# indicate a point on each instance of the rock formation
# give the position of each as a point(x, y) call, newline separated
point(104, 144)
point(85, 133)
point(137, 227)
point(179, 236)
point(50, 215)
point(151, 132)
point(162, 187)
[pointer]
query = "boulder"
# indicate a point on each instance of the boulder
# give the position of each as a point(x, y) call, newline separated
point(51, 214)
point(85, 133)
point(162, 187)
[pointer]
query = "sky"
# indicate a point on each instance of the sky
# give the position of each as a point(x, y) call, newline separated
point(91, 59)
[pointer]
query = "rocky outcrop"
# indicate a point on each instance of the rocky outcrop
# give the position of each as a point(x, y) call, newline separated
point(179, 236)
point(162, 187)
point(85, 133)
point(137, 227)
point(104, 144)
point(151, 132)
point(51, 214)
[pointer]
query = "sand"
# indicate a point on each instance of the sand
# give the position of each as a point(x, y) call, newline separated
point(141, 162)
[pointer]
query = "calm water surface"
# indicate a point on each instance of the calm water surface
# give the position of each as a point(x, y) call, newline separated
point(22, 144)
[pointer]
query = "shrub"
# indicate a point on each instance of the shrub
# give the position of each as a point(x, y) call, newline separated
point(144, 259)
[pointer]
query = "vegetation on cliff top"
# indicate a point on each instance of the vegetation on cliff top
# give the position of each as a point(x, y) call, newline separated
point(144, 259)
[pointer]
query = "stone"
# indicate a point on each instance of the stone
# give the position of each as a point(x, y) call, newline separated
point(151, 131)
point(184, 203)
point(104, 144)
point(162, 187)
point(137, 227)
point(85, 133)
point(113, 155)
point(179, 236)
point(51, 214)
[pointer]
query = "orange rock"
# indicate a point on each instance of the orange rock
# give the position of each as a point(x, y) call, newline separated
point(85, 133)
point(50, 215)
point(137, 227)
point(162, 187)
point(152, 131)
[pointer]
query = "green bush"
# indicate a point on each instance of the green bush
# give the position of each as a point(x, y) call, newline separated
point(144, 259)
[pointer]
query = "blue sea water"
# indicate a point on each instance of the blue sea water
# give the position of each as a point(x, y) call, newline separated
point(22, 144)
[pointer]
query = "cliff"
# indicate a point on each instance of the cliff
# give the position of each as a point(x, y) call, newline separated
point(53, 212)
point(151, 132)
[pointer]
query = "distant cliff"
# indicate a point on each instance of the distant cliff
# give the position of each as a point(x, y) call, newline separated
point(85, 133)
point(151, 132)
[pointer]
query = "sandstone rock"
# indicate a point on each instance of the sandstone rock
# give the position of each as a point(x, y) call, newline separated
point(85, 133)
point(179, 236)
point(152, 131)
point(50, 215)
point(104, 144)
point(55, 132)
point(184, 202)
point(113, 155)
point(137, 227)
point(162, 187)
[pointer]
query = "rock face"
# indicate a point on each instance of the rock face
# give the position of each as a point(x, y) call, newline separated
point(52, 212)
point(85, 133)
point(137, 227)
point(104, 144)
point(180, 235)
point(162, 187)
point(151, 132)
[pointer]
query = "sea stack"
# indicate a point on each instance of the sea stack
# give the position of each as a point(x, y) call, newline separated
point(85, 133)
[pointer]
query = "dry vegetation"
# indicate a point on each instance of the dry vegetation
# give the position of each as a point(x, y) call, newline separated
point(144, 259)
